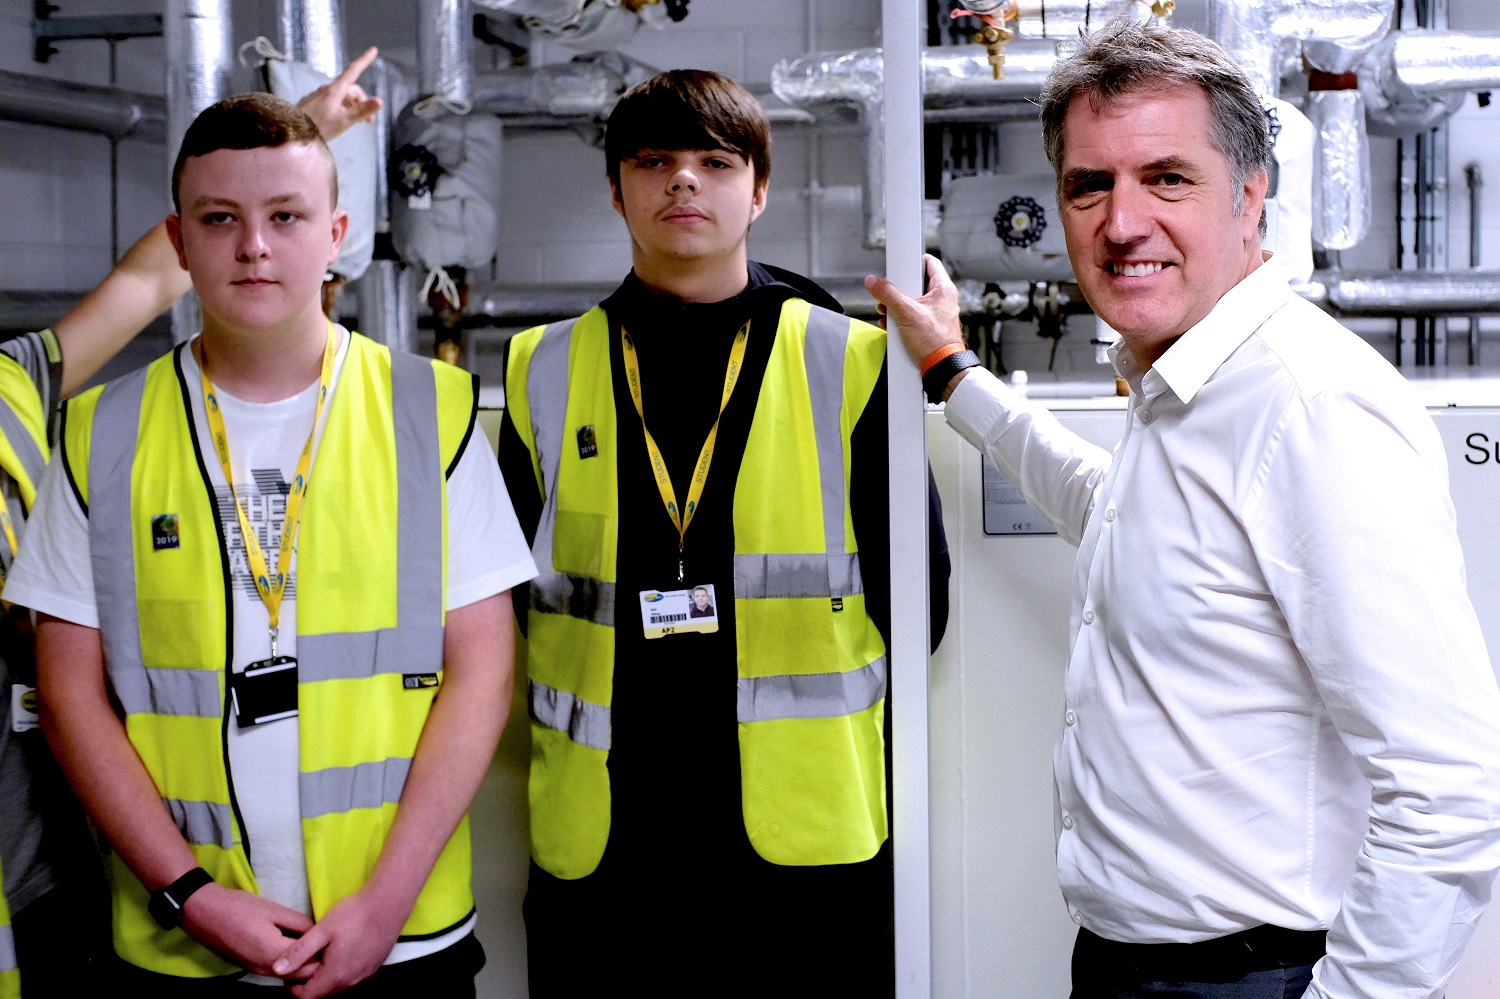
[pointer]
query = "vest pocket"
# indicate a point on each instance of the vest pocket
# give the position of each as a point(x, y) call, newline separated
point(579, 540)
point(176, 630)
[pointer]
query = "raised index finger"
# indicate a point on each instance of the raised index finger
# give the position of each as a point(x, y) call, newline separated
point(354, 69)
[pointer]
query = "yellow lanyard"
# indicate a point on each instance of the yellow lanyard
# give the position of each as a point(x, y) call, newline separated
point(271, 588)
point(681, 519)
point(10, 527)
point(10, 537)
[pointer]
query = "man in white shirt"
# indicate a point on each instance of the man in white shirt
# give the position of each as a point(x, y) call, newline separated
point(286, 556)
point(1281, 719)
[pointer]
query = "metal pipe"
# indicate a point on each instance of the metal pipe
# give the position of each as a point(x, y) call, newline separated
point(1341, 196)
point(1354, 295)
point(387, 304)
point(1475, 180)
point(1334, 33)
point(563, 90)
point(119, 114)
point(1443, 61)
point(445, 58)
point(1404, 294)
point(951, 78)
point(1416, 79)
point(199, 58)
point(1065, 19)
point(312, 32)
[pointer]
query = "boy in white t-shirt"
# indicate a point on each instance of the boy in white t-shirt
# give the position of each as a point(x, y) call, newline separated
point(281, 550)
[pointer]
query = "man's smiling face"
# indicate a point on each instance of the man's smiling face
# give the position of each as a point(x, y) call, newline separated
point(1149, 212)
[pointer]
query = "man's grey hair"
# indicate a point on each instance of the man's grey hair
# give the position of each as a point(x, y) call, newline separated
point(1126, 57)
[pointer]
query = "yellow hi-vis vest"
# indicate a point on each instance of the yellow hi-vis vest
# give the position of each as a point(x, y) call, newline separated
point(811, 664)
point(10, 972)
point(23, 435)
point(23, 455)
point(371, 565)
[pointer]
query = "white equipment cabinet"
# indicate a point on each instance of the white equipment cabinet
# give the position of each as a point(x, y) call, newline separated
point(1000, 930)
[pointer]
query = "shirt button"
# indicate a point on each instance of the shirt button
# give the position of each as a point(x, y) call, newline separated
point(1088, 617)
point(1078, 918)
point(1067, 821)
point(1145, 416)
point(1109, 515)
point(1070, 718)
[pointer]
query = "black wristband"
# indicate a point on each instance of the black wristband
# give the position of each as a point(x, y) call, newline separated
point(941, 373)
point(165, 904)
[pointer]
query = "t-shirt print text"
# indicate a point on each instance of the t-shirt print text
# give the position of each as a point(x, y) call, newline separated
point(265, 506)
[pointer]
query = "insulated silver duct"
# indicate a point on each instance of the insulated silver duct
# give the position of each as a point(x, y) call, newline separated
point(1415, 79)
point(1341, 196)
point(1404, 293)
point(952, 77)
point(984, 6)
point(384, 295)
point(1432, 61)
point(445, 53)
point(1256, 33)
point(961, 75)
point(312, 33)
point(1064, 19)
point(550, 10)
point(199, 59)
point(39, 100)
point(562, 90)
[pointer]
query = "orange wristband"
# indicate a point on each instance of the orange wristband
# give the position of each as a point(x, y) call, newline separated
point(932, 359)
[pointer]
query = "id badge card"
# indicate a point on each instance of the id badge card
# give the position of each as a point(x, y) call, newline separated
point(23, 716)
point(675, 612)
point(265, 692)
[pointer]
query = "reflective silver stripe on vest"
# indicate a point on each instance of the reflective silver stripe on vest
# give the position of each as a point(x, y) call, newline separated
point(834, 572)
point(547, 387)
point(584, 722)
point(343, 789)
point(202, 823)
point(356, 655)
point(185, 693)
point(576, 596)
point(816, 695)
point(117, 420)
point(760, 577)
point(7, 949)
point(827, 339)
point(22, 442)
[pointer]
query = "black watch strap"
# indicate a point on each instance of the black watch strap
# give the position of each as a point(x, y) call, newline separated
point(165, 904)
point(941, 373)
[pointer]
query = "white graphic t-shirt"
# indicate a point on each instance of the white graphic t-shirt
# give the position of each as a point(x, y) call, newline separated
point(487, 554)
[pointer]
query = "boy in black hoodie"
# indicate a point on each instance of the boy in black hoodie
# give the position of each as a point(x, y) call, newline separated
point(708, 794)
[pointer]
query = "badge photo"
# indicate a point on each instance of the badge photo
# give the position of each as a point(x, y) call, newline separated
point(676, 612)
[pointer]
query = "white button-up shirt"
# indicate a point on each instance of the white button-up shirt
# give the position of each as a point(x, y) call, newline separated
point(1279, 704)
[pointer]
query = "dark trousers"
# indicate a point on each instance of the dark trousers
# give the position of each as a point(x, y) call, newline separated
point(62, 942)
point(749, 930)
point(1266, 962)
point(448, 974)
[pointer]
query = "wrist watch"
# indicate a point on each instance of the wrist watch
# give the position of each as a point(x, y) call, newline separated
point(165, 904)
point(941, 373)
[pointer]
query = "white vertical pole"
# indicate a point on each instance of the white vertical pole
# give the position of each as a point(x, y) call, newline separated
point(901, 39)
